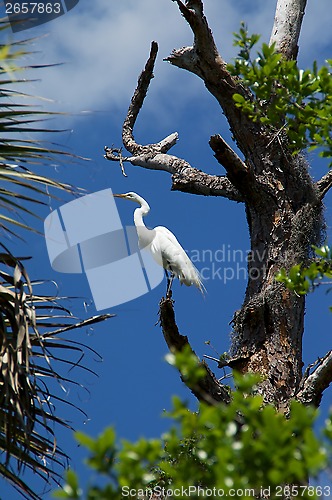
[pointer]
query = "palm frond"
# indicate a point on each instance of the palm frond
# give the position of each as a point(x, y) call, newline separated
point(17, 153)
point(30, 323)
point(29, 338)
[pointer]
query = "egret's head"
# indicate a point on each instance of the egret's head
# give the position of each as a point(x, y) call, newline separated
point(129, 196)
point(137, 198)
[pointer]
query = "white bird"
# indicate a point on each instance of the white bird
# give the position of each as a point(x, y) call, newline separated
point(164, 247)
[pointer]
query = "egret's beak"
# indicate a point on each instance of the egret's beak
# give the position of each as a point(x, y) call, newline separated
point(119, 195)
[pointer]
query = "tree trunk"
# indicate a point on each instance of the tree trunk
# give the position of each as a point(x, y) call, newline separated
point(285, 219)
point(283, 207)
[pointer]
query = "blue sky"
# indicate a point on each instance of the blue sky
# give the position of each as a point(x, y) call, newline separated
point(104, 46)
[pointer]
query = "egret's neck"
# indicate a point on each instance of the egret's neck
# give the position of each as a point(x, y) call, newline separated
point(139, 213)
point(143, 232)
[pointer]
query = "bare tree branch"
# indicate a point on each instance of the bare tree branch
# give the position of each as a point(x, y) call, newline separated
point(226, 156)
point(324, 184)
point(152, 156)
point(287, 26)
point(207, 389)
point(240, 175)
point(314, 385)
point(203, 59)
point(203, 38)
point(137, 101)
point(185, 178)
point(134, 108)
point(190, 180)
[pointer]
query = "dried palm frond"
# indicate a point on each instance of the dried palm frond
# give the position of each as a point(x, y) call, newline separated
point(30, 326)
point(30, 323)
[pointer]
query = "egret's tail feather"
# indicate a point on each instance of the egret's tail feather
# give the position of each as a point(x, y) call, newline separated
point(197, 280)
point(200, 284)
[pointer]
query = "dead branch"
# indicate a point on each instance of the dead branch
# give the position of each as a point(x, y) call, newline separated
point(185, 178)
point(136, 103)
point(115, 154)
point(207, 389)
point(313, 386)
point(203, 38)
point(226, 156)
point(203, 55)
point(240, 175)
point(134, 108)
point(324, 184)
point(287, 26)
point(153, 156)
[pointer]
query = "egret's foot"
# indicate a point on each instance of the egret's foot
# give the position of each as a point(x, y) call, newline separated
point(169, 285)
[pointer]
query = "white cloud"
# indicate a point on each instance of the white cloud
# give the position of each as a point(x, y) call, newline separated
point(316, 35)
point(104, 47)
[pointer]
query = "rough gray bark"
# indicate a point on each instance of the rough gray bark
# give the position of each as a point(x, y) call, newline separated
point(313, 385)
point(282, 203)
point(287, 26)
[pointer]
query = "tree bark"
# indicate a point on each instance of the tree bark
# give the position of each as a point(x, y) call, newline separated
point(287, 26)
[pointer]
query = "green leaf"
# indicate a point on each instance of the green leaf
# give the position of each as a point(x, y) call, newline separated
point(239, 99)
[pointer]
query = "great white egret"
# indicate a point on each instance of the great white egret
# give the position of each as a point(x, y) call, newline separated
point(164, 247)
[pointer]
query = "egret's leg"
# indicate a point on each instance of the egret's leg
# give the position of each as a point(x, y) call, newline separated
point(169, 284)
point(167, 278)
point(168, 281)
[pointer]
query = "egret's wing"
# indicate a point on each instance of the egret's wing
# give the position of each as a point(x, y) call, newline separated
point(169, 253)
point(167, 244)
point(168, 234)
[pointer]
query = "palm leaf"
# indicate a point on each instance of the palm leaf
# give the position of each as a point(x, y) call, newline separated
point(29, 332)
point(30, 323)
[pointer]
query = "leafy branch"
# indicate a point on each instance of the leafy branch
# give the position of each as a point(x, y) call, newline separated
point(243, 445)
point(285, 97)
point(301, 279)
